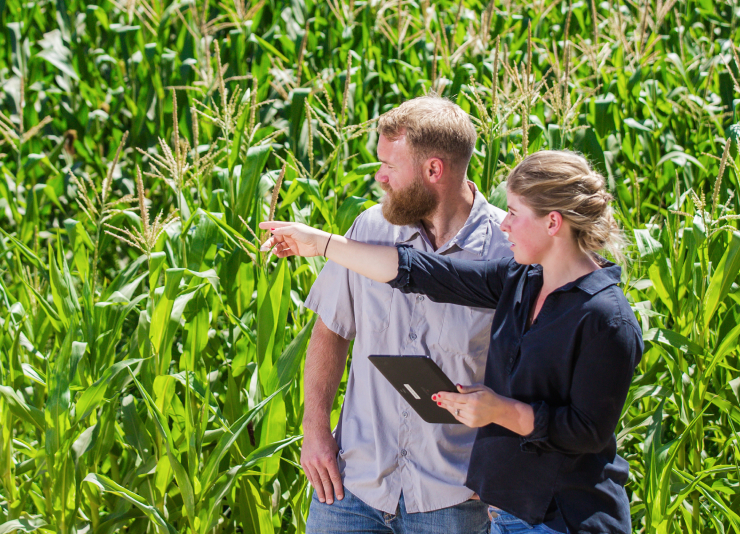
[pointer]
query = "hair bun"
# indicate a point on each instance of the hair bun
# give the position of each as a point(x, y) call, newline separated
point(604, 197)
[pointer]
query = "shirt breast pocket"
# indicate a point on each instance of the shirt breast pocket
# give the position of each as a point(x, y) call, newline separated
point(465, 330)
point(376, 304)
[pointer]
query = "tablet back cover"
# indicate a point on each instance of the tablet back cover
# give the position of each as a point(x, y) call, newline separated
point(417, 378)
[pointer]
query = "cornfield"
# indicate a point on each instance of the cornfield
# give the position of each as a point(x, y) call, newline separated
point(151, 355)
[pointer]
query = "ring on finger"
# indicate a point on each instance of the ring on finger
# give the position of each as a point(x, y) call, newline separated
point(457, 412)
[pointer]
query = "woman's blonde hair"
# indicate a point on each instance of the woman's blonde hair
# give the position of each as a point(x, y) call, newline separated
point(563, 181)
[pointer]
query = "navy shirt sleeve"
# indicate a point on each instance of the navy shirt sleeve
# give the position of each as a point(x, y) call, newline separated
point(450, 280)
point(601, 381)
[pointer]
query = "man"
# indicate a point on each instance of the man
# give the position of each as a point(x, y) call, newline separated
point(385, 469)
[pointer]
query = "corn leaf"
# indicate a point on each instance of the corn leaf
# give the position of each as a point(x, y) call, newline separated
point(107, 485)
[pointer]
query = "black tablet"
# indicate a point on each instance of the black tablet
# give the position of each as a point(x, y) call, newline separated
point(417, 378)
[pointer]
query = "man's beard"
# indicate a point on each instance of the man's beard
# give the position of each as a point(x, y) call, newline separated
point(408, 205)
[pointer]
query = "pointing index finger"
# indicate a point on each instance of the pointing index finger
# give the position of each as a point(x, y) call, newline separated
point(267, 225)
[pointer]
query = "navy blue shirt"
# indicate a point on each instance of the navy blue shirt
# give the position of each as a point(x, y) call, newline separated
point(573, 365)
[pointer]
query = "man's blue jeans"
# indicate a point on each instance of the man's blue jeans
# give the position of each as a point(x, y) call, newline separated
point(352, 515)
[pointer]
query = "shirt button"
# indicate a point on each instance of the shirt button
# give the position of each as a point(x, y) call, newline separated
point(341, 451)
point(412, 336)
point(405, 414)
point(403, 452)
point(420, 298)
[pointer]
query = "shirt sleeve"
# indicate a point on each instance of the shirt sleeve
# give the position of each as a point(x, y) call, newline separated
point(450, 280)
point(601, 381)
point(332, 295)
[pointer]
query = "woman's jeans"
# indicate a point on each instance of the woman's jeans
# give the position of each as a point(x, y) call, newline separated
point(505, 523)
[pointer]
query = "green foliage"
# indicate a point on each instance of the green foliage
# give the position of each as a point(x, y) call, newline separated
point(151, 356)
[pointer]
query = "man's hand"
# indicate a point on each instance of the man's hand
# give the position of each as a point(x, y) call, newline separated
point(319, 462)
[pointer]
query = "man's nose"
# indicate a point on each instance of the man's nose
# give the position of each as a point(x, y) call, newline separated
point(382, 178)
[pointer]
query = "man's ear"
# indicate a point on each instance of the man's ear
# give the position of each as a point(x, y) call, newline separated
point(433, 170)
point(554, 223)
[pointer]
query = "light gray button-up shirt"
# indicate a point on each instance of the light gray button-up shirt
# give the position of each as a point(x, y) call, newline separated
point(385, 447)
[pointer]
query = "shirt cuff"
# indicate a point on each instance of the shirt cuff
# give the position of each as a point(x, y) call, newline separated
point(529, 442)
point(404, 267)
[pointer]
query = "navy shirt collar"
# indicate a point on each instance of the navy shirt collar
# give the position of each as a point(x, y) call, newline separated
point(591, 283)
point(609, 275)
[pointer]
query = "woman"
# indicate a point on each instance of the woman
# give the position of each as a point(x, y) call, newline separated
point(564, 345)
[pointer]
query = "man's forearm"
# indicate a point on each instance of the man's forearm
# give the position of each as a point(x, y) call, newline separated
point(325, 361)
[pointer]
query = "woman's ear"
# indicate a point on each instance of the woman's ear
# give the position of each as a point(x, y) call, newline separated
point(554, 222)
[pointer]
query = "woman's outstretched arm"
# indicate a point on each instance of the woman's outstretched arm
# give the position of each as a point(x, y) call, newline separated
point(377, 262)
point(441, 278)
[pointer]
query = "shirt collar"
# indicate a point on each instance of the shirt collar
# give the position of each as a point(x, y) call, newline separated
point(609, 275)
point(591, 283)
point(408, 233)
point(472, 237)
